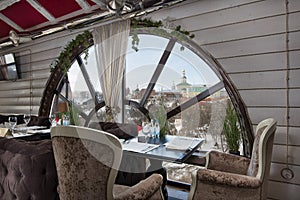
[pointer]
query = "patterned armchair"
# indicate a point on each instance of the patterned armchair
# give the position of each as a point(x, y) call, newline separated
point(87, 161)
point(232, 177)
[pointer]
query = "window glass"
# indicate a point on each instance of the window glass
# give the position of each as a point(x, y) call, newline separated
point(141, 64)
point(80, 94)
point(91, 68)
point(184, 78)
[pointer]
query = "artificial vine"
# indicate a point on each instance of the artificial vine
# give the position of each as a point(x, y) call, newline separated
point(64, 59)
point(177, 32)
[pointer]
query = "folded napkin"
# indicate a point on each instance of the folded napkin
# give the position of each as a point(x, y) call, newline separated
point(4, 132)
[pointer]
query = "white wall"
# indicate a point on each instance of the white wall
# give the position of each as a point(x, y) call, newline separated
point(248, 38)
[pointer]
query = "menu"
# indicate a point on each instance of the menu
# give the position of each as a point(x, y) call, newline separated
point(183, 143)
point(138, 146)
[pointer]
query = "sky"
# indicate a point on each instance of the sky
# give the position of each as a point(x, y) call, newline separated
point(140, 66)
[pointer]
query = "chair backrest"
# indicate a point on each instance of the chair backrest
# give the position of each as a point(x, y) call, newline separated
point(87, 161)
point(259, 166)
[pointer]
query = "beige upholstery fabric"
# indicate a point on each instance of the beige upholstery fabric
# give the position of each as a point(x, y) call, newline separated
point(87, 161)
point(232, 177)
point(149, 189)
point(129, 173)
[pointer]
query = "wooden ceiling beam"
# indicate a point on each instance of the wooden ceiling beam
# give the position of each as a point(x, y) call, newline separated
point(83, 4)
point(36, 5)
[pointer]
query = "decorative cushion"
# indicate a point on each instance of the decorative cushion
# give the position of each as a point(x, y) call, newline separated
point(122, 131)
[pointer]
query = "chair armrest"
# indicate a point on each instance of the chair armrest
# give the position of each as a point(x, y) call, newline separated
point(225, 162)
point(228, 179)
point(145, 189)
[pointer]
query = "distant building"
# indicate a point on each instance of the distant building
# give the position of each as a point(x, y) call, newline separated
point(183, 85)
point(194, 90)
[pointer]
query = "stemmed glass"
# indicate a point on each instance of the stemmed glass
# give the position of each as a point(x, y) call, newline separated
point(12, 121)
point(53, 120)
point(178, 125)
point(26, 118)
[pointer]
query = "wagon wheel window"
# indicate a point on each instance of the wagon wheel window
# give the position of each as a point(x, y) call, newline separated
point(178, 75)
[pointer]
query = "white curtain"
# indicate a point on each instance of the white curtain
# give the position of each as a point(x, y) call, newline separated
point(111, 42)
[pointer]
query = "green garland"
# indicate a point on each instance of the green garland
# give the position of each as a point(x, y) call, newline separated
point(179, 33)
point(64, 59)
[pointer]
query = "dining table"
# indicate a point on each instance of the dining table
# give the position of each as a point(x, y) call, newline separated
point(171, 148)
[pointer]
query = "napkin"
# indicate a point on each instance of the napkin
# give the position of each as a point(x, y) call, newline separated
point(4, 132)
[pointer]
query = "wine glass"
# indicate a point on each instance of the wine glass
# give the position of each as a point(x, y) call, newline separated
point(178, 125)
point(26, 118)
point(12, 121)
point(53, 120)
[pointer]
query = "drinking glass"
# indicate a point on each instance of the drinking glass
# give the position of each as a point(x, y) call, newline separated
point(53, 120)
point(26, 118)
point(12, 121)
point(178, 125)
point(145, 128)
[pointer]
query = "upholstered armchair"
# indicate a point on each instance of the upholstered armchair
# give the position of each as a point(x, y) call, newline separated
point(228, 176)
point(132, 168)
point(87, 162)
point(27, 170)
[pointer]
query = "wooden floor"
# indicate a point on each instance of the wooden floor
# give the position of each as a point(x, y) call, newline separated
point(176, 193)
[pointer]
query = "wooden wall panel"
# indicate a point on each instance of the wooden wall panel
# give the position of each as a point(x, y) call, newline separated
point(294, 59)
point(20, 101)
point(294, 24)
point(255, 63)
point(19, 109)
point(259, 114)
point(279, 154)
point(283, 191)
point(294, 78)
point(34, 61)
point(293, 137)
point(38, 74)
point(193, 7)
point(20, 84)
point(294, 117)
point(38, 92)
point(261, 98)
point(294, 5)
point(259, 80)
point(294, 40)
point(38, 65)
point(295, 97)
point(264, 26)
point(233, 15)
point(258, 45)
point(274, 176)
point(48, 42)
